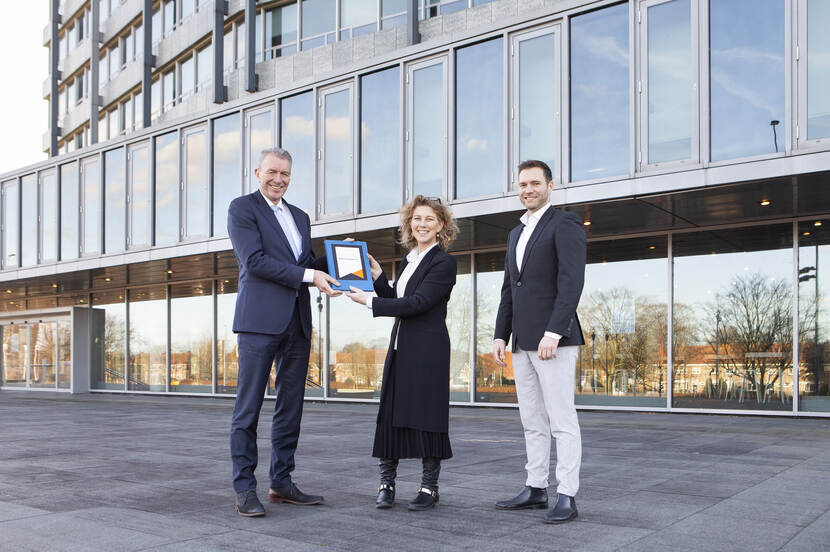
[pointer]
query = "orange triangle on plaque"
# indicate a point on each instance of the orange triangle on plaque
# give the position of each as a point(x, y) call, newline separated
point(358, 273)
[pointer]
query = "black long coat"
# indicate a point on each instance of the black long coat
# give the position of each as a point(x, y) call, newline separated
point(422, 360)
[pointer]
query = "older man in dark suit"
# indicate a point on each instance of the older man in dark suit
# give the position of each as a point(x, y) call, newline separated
point(544, 270)
point(272, 243)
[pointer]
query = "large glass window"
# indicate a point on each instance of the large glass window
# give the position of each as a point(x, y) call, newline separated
point(670, 86)
point(227, 355)
point(11, 223)
point(493, 383)
point(167, 189)
point(599, 109)
point(28, 220)
point(187, 77)
point(733, 319)
point(70, 244)
point(168, 90)
point(64, 354)
point(148, 339)
point(91, 205)
point(204, 67)
point(196, 185)
point(814, 316)
point(227, 169)
point(191, 337)
point(318, 22)
point(49, 202)
point(357, 17)
point(260, 136)
point(459, 316)
point(109, 335)
point(336, 164)
point(624, 318)
point(281, 31)
point(15, 348)
point(42, 355)
point(818, 69)
point(393, 13)
point(427, 121)
point(535, 100)
point(479, 140)
point(139, 196)
point(297, 132)
point(380, 141)
point(747, 79)
point(114, 201)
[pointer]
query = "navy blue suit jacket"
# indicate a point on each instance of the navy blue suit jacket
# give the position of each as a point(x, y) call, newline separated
point(270, 278)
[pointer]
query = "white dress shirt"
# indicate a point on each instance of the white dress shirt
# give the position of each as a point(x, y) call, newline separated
point(530, 221)
point(293, 233)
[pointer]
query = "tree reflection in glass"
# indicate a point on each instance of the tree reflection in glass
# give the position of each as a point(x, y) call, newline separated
point(813, 317)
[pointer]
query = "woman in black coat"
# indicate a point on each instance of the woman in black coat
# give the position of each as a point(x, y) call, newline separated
point(414, 405)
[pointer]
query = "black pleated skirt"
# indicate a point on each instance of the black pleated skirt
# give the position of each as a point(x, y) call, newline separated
point(405, 442)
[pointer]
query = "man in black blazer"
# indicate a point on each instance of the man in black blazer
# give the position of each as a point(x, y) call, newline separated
point(272, 243)
point(543, 276)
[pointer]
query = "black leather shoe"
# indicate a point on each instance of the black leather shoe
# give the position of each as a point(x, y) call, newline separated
point(248, 505)
point(292, 495)
point(564, 510)
point(424, 500)
point(530, 497)
point(386, 496)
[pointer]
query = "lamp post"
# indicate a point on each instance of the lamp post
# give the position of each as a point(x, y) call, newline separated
point(774, 123)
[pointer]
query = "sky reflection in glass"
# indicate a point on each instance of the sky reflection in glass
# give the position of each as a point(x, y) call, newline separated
point(380, 141)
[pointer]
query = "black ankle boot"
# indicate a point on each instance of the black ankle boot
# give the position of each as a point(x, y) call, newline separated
point(386, 490)
point(427, 496)
point(563, 510)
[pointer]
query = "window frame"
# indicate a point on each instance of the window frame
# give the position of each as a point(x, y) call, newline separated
point(322, 93)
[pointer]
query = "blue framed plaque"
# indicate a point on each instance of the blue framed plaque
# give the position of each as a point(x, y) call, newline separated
point(349, 264)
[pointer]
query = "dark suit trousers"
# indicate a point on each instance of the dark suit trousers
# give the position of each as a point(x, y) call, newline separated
point(257, 352)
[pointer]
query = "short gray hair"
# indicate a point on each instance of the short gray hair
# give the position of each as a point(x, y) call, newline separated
point(279, 152)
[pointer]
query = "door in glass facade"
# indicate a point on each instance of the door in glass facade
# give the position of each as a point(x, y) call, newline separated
point(297, 138)
point(814, 316)
point(195, 199)
point(138, 196)
point(335, 154)
point(38, 355)
point(426, 128)
point(259, 135)
point(91, 207)
point(15, 355)
point(48, 216)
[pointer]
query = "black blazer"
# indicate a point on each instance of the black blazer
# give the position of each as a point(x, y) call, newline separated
point(270, 278)
point(544, 294)
point(422, 360)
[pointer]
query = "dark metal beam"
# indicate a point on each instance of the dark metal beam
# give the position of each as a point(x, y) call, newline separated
point(220, 93)
point(412, 34)
point(94, 97)
point(250, 46)
point(54, 75)
point(148, 61)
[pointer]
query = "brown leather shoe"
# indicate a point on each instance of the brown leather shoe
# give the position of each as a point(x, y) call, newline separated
point(292, 495)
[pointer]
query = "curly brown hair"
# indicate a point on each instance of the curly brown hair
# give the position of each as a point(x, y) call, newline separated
point(447, 233)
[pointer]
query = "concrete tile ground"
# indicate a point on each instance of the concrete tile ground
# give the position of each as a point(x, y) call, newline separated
point(120, 472)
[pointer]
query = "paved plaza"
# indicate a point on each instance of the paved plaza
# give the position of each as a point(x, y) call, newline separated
point(106, 472)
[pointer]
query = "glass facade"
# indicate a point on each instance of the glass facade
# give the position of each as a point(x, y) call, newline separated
point(818, 70)
point(196, 185)
point(260, 136)
point(28, 220)
point(49, 203)
point(109, 331)
point(336, 115)
point(813, 317)
point(227, 169)
point(428, 124)
point(167, 189)
point(11, 224)
point(493, 382)
point(92, 205)
point(380, 141)
point(227, 354)
point(69, 205)
point(147, 341)
point(139, 197)
point(297, 137)
point(191, 337)
point(114, 201)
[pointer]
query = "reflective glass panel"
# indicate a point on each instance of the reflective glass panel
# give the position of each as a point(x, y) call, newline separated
point(380, 141)
point(337, 152)
point(479, 140)
point(196, 184)
point(624, 317)
point(227, 169)
point(43, 354)
point(204, 66)
point(314, 376)
point(733, 319)
point(357, 17)
point(459, 316)
point(669, 82)
point(28, 220)
point(747, 51)
point(537, 114)
point(148, 339)
point(297, 132)
point(109, 333)
point(10, 224)
point(64, 354)
point(260, 137)
point(167, 189)
point(91, 201)
point(169, 16)
point(814, 316)
point(818, 69)
point(168, 90)
point(187, 76)
point(318, 19)
point(15, 350)
point(428, 131)
point(114, 201)
point(281, 30)
point(357, 350)
point(191, 337)
point(139, 197)
point(49, 202)
point(69, 211)
point(227, 355)
point(599, 94)
point(493, 383)
point(155, 99)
